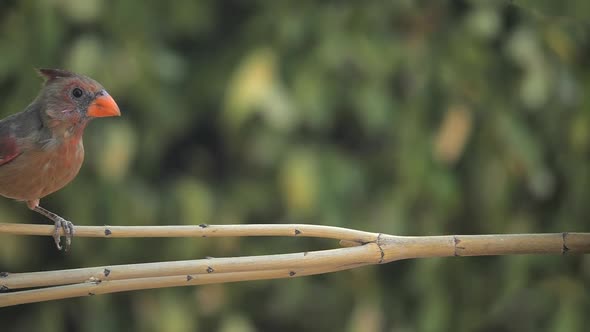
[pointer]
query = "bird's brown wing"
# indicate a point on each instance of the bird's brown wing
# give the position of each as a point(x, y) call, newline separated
point(8, 149)
point(17, 129)
point(12, 129)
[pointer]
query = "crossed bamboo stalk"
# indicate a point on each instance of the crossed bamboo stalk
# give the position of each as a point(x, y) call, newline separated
point(358, 248)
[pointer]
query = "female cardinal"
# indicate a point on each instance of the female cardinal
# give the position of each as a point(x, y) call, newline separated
point(41, 147)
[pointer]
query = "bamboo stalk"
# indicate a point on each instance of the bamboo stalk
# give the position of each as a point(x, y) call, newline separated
point(92, 288)
point(203, 230)
point(361, 248)
point(401, 247)
point(329, 258)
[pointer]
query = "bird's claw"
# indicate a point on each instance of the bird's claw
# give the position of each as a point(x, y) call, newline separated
point(68, 228)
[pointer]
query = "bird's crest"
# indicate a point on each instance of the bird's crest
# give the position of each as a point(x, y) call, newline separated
point(50, 74)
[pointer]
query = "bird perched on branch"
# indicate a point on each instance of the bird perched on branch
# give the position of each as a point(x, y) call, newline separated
point(41, 147)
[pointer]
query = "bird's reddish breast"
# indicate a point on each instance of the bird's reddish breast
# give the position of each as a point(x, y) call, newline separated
point(39, 172)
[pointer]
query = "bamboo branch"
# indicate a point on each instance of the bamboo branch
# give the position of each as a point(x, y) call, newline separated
point(202, 230)
point(361, 248)
point(96, 287)
point(332, 257)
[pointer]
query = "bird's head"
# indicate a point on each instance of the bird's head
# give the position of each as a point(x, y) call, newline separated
point(71, 98)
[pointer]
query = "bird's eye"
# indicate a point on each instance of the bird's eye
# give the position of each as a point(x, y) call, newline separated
point(77, 93)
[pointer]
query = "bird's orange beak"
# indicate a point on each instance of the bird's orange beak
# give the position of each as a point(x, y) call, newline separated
point(103, 106)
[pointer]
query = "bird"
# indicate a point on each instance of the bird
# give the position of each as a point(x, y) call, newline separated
point(41, 147)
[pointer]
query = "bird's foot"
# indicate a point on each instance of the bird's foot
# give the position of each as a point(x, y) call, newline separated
point(68, 228)
point(60, 222)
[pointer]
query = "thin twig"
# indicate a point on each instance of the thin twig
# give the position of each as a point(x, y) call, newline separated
point(97, 287)
point(203, 230)
point(332, 257)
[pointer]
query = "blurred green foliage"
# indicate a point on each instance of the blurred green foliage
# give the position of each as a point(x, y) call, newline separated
point(404, 117)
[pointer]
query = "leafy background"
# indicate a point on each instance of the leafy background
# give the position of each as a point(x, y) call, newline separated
point(405, 117)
